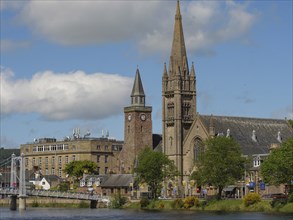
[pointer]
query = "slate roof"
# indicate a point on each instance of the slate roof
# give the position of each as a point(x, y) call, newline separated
point(157, 142)
point(117, 180)
point(241, 129)
point(52, 178)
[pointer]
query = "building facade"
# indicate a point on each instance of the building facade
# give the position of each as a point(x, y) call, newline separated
point(50, 156)
point(137, 125)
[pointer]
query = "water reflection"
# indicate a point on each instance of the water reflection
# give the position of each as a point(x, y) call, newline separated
point(89, 214)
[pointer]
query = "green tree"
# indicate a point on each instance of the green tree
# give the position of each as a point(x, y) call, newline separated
point(76, 169)
point(153, 167)
point(221, 164)
point(278, 167)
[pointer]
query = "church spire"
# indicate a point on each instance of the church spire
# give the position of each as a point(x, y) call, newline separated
point(178, 53)
point(137, 94)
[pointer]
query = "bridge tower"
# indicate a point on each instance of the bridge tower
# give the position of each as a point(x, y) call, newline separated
point(13, 184)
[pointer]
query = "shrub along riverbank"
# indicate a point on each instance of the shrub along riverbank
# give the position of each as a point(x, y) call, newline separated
point(251, 203)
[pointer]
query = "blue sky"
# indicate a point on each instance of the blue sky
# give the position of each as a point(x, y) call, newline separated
point(68, 64)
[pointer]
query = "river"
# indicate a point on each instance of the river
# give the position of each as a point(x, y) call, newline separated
point(90, 214)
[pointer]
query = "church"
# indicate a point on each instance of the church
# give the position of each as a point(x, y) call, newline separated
point(183, 128)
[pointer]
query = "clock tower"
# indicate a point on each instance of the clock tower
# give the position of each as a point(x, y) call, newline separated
point(137, 126)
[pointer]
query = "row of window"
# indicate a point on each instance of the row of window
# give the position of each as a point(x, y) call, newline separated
point(56, 147)
point(53, 172)
point(99, 170)
point(38, 161)
point(106, 158)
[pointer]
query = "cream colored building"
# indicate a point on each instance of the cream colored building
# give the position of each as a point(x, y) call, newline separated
point(50, 156)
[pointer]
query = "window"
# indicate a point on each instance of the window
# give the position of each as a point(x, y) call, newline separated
point(98, 147)
point(106, 170)
point(98, 170)
point(46, 161)
point(53, 147)
point(60, 172)
point(34, 161)
point(43, 183)
point(26, 161)
point(40, 161)
point(98, 158)
point(106, 147)
point(53, 161)
point(106, 158)
point(198, 149)
point(73, 157)
point(60, 160)
point(53, 171)
point(256, 161)
point(66, 147)
point(46, 172)
point(66, 159)
point(60, 147)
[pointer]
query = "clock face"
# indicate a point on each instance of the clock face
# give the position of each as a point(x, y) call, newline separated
point(129, 117)
point(142, 117)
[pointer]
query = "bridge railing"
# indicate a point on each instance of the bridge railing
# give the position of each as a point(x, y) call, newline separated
point(58, 194)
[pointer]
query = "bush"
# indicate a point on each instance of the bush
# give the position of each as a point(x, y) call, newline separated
point(190, 202)
point(35, 204)
point(290, 197)
point(83, 204)
point(161, 205)
point(144, 202)
point(177, 204)
point(251, 199)
point(118, 201)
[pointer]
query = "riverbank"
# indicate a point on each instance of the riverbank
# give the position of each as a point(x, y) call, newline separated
point(218, 206)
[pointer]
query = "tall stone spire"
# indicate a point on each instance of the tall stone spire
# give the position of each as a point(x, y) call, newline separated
point(178, 99)
point(178, 53)
point(137, 94)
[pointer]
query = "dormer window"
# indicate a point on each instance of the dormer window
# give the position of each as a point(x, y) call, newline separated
point(256, 161)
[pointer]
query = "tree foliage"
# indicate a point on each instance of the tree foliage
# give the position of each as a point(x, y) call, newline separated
point(278, 167)
point(221, 164)
point(76, 169)
point(153, 168)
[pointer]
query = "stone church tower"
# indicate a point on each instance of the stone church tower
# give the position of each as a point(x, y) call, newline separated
point(178, 97)
point(137, 125)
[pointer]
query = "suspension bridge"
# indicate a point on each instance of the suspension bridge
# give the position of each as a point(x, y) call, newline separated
point(17, 190)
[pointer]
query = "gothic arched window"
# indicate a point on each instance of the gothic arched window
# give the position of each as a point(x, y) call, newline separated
point(198, 149)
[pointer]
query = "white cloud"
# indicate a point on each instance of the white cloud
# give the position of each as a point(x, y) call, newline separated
point(60, 96)
point(148, 23)
point(7, 45)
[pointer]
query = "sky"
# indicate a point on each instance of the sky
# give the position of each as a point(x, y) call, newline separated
point(70, 64)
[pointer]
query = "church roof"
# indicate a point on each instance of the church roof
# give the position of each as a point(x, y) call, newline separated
point(254, 135)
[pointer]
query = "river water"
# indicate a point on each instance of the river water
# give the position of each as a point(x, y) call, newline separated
point(90, 214)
